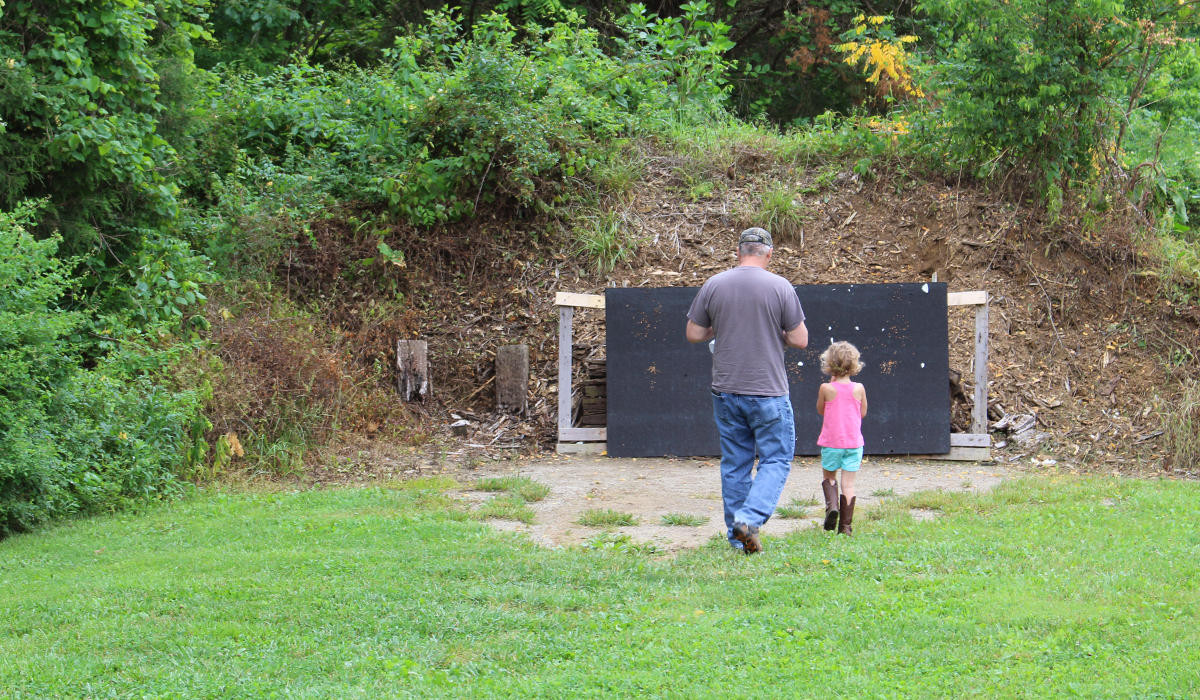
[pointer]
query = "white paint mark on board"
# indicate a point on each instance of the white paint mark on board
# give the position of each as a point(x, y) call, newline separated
point(922, 365)
point(925, 288)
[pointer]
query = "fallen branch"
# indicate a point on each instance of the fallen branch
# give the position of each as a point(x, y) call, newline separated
point(1148, 436)
point(1050, 315)
point(481, 388)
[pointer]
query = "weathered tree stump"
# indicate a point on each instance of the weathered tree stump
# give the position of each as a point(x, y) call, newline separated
point(412, 361)
point(512, 379)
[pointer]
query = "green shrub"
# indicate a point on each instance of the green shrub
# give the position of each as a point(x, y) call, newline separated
point(81, 105)
point(1179, 255)
point(75, 440)
point(35, 360)
point(451, 121)
point(1160, 144)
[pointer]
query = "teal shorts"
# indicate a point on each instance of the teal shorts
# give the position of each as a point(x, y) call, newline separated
point(835, 458)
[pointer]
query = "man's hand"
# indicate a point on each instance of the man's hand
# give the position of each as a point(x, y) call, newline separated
point(797, 337)
point(699, 334)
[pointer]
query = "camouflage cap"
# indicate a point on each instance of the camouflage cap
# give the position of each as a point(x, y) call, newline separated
point(756, 235)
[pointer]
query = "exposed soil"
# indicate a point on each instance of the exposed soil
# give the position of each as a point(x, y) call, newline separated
point(648, 489)
point(1080, 338)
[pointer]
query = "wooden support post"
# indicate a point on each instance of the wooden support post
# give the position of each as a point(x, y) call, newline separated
point(566, 314)
point(412, 362)
point(979, 414)
point(512, 379)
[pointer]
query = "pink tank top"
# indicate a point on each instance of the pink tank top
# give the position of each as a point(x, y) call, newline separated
point(842, 427)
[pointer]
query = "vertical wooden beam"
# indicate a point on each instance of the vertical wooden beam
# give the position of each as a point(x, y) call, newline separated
point(565, 342)
point(412, 365)
point(979, 414)
point(512, 379)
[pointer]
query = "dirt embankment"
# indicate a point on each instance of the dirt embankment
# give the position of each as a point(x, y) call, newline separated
point(1080, 339)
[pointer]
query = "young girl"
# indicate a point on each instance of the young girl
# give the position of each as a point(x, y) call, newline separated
point(842, 405)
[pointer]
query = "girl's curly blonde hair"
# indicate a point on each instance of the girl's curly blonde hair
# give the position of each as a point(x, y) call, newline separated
point(841, 359)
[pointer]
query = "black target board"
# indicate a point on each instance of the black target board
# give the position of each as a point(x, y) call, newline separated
point(659, 403)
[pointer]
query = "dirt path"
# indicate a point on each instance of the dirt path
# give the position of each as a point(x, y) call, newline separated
point(652, 488)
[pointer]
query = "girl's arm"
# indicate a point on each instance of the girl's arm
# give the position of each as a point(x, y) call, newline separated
point(860, 393)
point(821, 400)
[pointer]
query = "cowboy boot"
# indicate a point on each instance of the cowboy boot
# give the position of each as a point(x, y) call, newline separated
point(830, 489)
point(847, 517)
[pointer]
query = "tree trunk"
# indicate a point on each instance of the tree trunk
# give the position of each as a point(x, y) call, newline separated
point(412, 362)
point(512, 379)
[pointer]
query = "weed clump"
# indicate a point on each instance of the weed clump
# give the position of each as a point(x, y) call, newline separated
point(522, 486)
point(684, 519)
point(1181, 430)
point(606, 517)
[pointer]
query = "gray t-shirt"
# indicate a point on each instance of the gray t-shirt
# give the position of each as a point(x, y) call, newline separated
point(750, 309)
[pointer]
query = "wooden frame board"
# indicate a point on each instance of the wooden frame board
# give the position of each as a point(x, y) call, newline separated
point(977, 444)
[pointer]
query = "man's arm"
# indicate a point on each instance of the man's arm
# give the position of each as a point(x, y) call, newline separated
point(697, 333)
point(797, 337)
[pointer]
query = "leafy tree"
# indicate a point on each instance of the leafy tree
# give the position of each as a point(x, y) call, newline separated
point(872, 43)
point(92, 295)
point(261, 34)
point(1159, 139)
point(788, 68)
point(1042, 87)
point(80, 105)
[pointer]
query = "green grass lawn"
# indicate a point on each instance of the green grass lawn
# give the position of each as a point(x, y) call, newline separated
point(1042, 588)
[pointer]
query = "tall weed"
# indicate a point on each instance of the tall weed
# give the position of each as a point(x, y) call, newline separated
point(283, 384)
point(602, 238)
point(779, 212)
point(1181, 429)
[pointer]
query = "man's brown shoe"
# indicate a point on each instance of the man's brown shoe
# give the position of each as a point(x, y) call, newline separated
point(748, 536)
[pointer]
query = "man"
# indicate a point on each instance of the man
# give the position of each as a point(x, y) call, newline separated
point(752, 314)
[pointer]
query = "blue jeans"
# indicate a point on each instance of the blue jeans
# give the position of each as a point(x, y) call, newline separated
point(750, 425)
